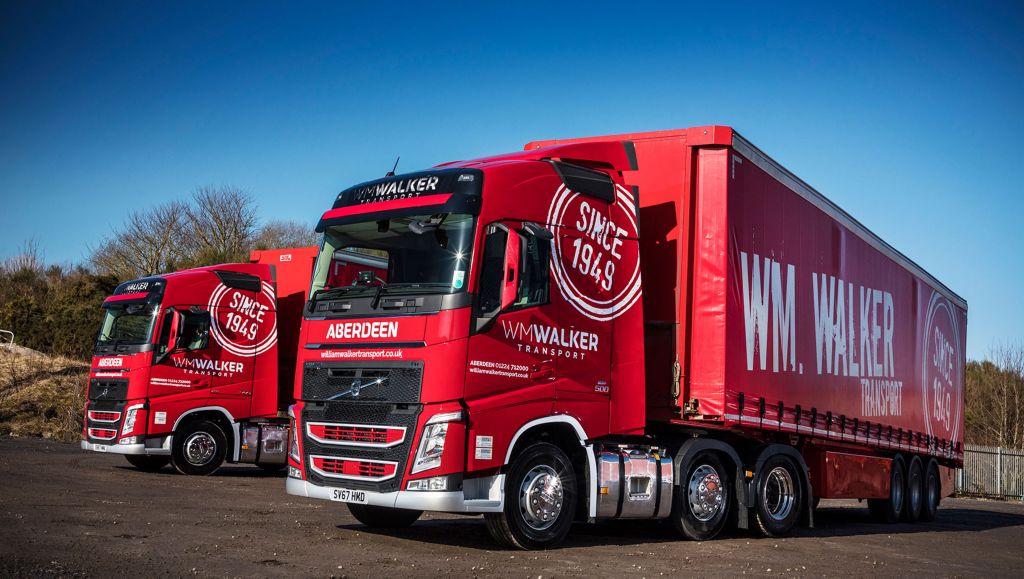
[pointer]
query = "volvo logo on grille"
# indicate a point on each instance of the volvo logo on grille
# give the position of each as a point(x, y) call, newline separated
point(357, 386)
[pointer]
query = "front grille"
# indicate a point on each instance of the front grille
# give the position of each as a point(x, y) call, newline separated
point(102, 433)
point(104, 416)
point(108, 389)
point(384, 382)
point(355, 419)
point(103, 420)
point(355, 434)
point(353, 469)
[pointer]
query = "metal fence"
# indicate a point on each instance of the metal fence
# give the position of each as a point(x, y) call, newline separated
point(991, 471)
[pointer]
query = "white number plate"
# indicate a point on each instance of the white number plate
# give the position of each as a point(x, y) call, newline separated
point(347, 496)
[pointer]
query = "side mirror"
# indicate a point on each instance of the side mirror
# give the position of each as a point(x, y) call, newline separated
point(510, 281)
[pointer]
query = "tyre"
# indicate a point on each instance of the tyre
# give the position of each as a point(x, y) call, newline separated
point(703, 498)
point(889, 510)
point(932, 492)
point(914, 495)
point(383, 517)
point(540, 500)
point(779, 496)
point(198, 448)
point(147, 463)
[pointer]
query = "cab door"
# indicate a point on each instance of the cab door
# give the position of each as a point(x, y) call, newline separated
point(512, 367)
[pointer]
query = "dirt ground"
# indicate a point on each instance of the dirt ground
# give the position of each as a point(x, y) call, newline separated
point(64, 511)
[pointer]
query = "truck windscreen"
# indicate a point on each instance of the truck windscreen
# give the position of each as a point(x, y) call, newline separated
point(402, 255)
point(126, 325)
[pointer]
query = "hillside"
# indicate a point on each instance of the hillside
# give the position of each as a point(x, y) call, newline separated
point(41, 395)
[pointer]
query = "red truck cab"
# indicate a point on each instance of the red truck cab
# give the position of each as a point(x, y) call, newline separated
point(195, 367)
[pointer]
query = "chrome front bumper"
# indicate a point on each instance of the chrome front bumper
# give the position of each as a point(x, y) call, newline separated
point(163, 449)
point(437, 501)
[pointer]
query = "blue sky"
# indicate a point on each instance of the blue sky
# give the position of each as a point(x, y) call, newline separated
point(907, 115)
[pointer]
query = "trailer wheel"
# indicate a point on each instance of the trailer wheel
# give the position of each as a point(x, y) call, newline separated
point(198, 448)
point(146, 462)
point(889, 510)
point(779, 492)
point(540, 500)
point(932, 492)
point(383, 517)
point(914, 494)
point(701, 502)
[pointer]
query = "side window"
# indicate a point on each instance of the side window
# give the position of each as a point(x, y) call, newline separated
point(491, 271)
point(533, 286)
point(534, 277)
point(195, 333)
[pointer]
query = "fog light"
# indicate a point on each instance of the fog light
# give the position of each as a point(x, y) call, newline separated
point(434, 483)
point(129, 440)
point(294, 472)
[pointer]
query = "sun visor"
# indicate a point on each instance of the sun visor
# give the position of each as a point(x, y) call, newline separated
point(138, 291)
point(426, 192)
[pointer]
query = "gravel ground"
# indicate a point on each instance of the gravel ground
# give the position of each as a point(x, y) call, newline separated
point(64, 511)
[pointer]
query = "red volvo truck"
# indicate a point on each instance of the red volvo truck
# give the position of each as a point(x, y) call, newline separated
point(652, 325)
point(195, 367)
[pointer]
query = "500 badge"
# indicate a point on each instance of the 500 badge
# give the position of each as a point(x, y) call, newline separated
point(592, 263)
point(243, 325)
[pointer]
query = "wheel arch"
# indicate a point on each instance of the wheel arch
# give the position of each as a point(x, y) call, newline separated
point(218, 415)
point(567, 433)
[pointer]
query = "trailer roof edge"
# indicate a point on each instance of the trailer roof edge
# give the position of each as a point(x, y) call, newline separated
point(801, 188)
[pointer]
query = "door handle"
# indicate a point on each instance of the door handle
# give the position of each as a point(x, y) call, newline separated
point(543, 371)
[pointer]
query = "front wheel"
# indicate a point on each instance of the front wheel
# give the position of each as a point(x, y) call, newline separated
point(540, 500)
point(700, 507)
point(383, 517)
point(147, 463)
point(198, 448)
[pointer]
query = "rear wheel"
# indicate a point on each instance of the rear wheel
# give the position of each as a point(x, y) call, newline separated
point(383, 517)
point(932, 492)
point(199, 448)
point(147, 463)
point(915, 491)
point(540, 500)
point(889, 510)
point(701, 502)
point(779, 496)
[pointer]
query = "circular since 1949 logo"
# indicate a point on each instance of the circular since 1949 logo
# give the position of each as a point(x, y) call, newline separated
point(242, 324)
point(592, 263)
point(942, 370)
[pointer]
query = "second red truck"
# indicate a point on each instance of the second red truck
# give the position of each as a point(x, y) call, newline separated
point(664, 325)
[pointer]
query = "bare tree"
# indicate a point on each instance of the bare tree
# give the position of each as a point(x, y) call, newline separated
point(221, 224)
point(995, 393)
point(280, 234)
point(153, 241)
point(30, 258)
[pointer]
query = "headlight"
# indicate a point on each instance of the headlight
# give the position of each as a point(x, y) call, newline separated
point(293, 439)
point(428, 455)
point(129, 419)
